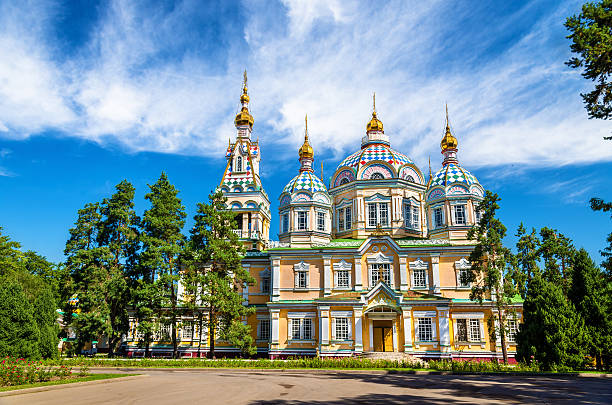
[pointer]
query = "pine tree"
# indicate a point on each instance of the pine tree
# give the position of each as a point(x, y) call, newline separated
point(557, 252)
point(162, 243)
point(19, 334)
point(552, 331)
point(597, 204)
point(591, 294)
point(491, 267)
point(527, 258)
point(217, 246)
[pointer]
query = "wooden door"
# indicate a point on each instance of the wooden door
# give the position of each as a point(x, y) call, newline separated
point(378, 340)
point(388, 339)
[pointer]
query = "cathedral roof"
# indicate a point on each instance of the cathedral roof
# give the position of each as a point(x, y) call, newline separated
point(450, 174)
point(306, 181)
point(372, 152)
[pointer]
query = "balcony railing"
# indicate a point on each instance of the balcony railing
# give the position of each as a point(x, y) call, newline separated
point(247, 234)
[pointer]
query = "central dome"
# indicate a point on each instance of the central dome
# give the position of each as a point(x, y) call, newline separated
point(376, 161)
point(306, 181)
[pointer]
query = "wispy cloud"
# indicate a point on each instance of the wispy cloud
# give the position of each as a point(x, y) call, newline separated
point(149, 80)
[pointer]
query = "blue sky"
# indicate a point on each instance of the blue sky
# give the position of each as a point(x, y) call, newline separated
point(93, 93)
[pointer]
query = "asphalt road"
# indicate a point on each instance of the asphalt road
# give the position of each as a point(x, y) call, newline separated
point(210, 387)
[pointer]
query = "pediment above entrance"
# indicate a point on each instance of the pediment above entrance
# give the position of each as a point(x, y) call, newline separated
point(381, 298)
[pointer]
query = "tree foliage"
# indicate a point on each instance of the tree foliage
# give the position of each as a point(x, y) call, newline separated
point(591, 36)
point(597, 204)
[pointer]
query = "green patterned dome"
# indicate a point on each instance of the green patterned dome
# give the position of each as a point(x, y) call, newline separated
point(305, 181)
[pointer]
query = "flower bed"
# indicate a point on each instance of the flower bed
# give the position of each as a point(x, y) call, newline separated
point(22, 371)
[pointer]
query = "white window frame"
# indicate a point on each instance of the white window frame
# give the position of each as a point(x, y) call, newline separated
point(425, 329)
point(342, 326)
point(298, 220)
point(285, 222)
point(239, 163)
point(342, 267)
point(435, 210)
point(384, 268)
point(474, 329)
point(459, 219)
point(264, 329)
point(376, 214)
point(301, 276)
point(186, 330)
point(301, 326)
point(462, 266)
point(380, 258)
point(411, 215)
point(513, 328)
point(421, 267)
point(321, 222)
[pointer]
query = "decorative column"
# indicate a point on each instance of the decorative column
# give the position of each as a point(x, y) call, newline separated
point(323, 327)
point(358, 282)
point(327, 275)
point(275, 278)
point(358, 330)
point(394, 325)
point(435, 270)
point(406, 314)
point(443, 325)
point(371, 332)
point(403, 273)
point(275, 326)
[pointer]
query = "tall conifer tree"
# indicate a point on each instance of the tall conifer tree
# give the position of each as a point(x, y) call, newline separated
point(218, 247)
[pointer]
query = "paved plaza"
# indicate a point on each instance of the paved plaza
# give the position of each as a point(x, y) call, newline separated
point(184, 386)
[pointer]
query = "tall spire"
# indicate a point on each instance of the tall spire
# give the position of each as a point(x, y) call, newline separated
point(449, 143)
point(244, 117)
point(375, 125)
point(306, 153)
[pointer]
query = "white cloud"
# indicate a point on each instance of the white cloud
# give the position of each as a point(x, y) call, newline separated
point(514, 104)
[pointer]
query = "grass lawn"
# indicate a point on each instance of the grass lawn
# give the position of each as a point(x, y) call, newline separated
point(74, 379)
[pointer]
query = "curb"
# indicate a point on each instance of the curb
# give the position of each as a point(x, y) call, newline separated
point(352, 371)
point(67, 385)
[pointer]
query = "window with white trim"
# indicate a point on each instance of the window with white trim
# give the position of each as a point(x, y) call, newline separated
point(265, 285)
point(342, 329)
point(438, 217)
point(512, 330)
point(380, 272)
point(163, 332)
point(263, 329)
point(411, 216)
point(342, 279)
point(187, 330)
point(321, 221)
point(419, 278)
point(301, 329)
point(239, 164)
point(302, 220)
point(424, 330)
point(301, 279)
point(477, 215)
point(463, 275)
point(459, 213)
point(285, 223)
point(474, 331)
point(378, 213)
point(462, 332)
point(344, 219)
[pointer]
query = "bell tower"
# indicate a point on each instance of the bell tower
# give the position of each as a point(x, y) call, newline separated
point(241, 184)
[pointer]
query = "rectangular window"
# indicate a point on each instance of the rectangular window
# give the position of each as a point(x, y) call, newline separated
point(462, 333)
point(474, 330)
point(378, 213)
point(301, 329)
point(424, 331)
point(380, 272)
point(347, 218)
point(163, 333)
point(264, 330)
point(478, 215)
point(463, 274)
point(512, 330)
point(265, 285)
point(419, 278)
point(415, 217)
point(342, 328)
point(321, 221)
point(301, 279)
point(342, 279)
point(407, 216)
point(438, 218)
point(302, 220)
point(341, 219)
point(411, 216)
point(285, 223)
point(459, 214)
point(187, 331)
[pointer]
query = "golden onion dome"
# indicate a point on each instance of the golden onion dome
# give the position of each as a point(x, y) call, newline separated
point(306, 150)
point(244, 117)
point(375, 124)
point(448, 141)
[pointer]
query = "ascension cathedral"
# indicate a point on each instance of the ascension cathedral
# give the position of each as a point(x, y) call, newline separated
point(370, 262)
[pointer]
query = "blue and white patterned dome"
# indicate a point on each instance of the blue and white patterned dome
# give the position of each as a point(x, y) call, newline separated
point(305, 181)
point(451, 174)
point(375, 152)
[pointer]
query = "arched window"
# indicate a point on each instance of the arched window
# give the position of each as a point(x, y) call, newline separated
point(377, 176)
point(344, 181)
point(239, 164)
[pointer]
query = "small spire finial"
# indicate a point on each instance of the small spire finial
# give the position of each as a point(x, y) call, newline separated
point(306, 127)
point(374, 102)
point(430, 167)
point(244, 86)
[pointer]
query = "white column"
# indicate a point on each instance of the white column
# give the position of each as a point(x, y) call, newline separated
point(443, 324)
point(406, 313)
point(274, 317)
point(324, 326)
point(358, 282)
point(275, 278)
point(327, 275)
point(403, 273)
point(371, 324)
point(435, 270)
point(395, 348)
point(358, 330)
